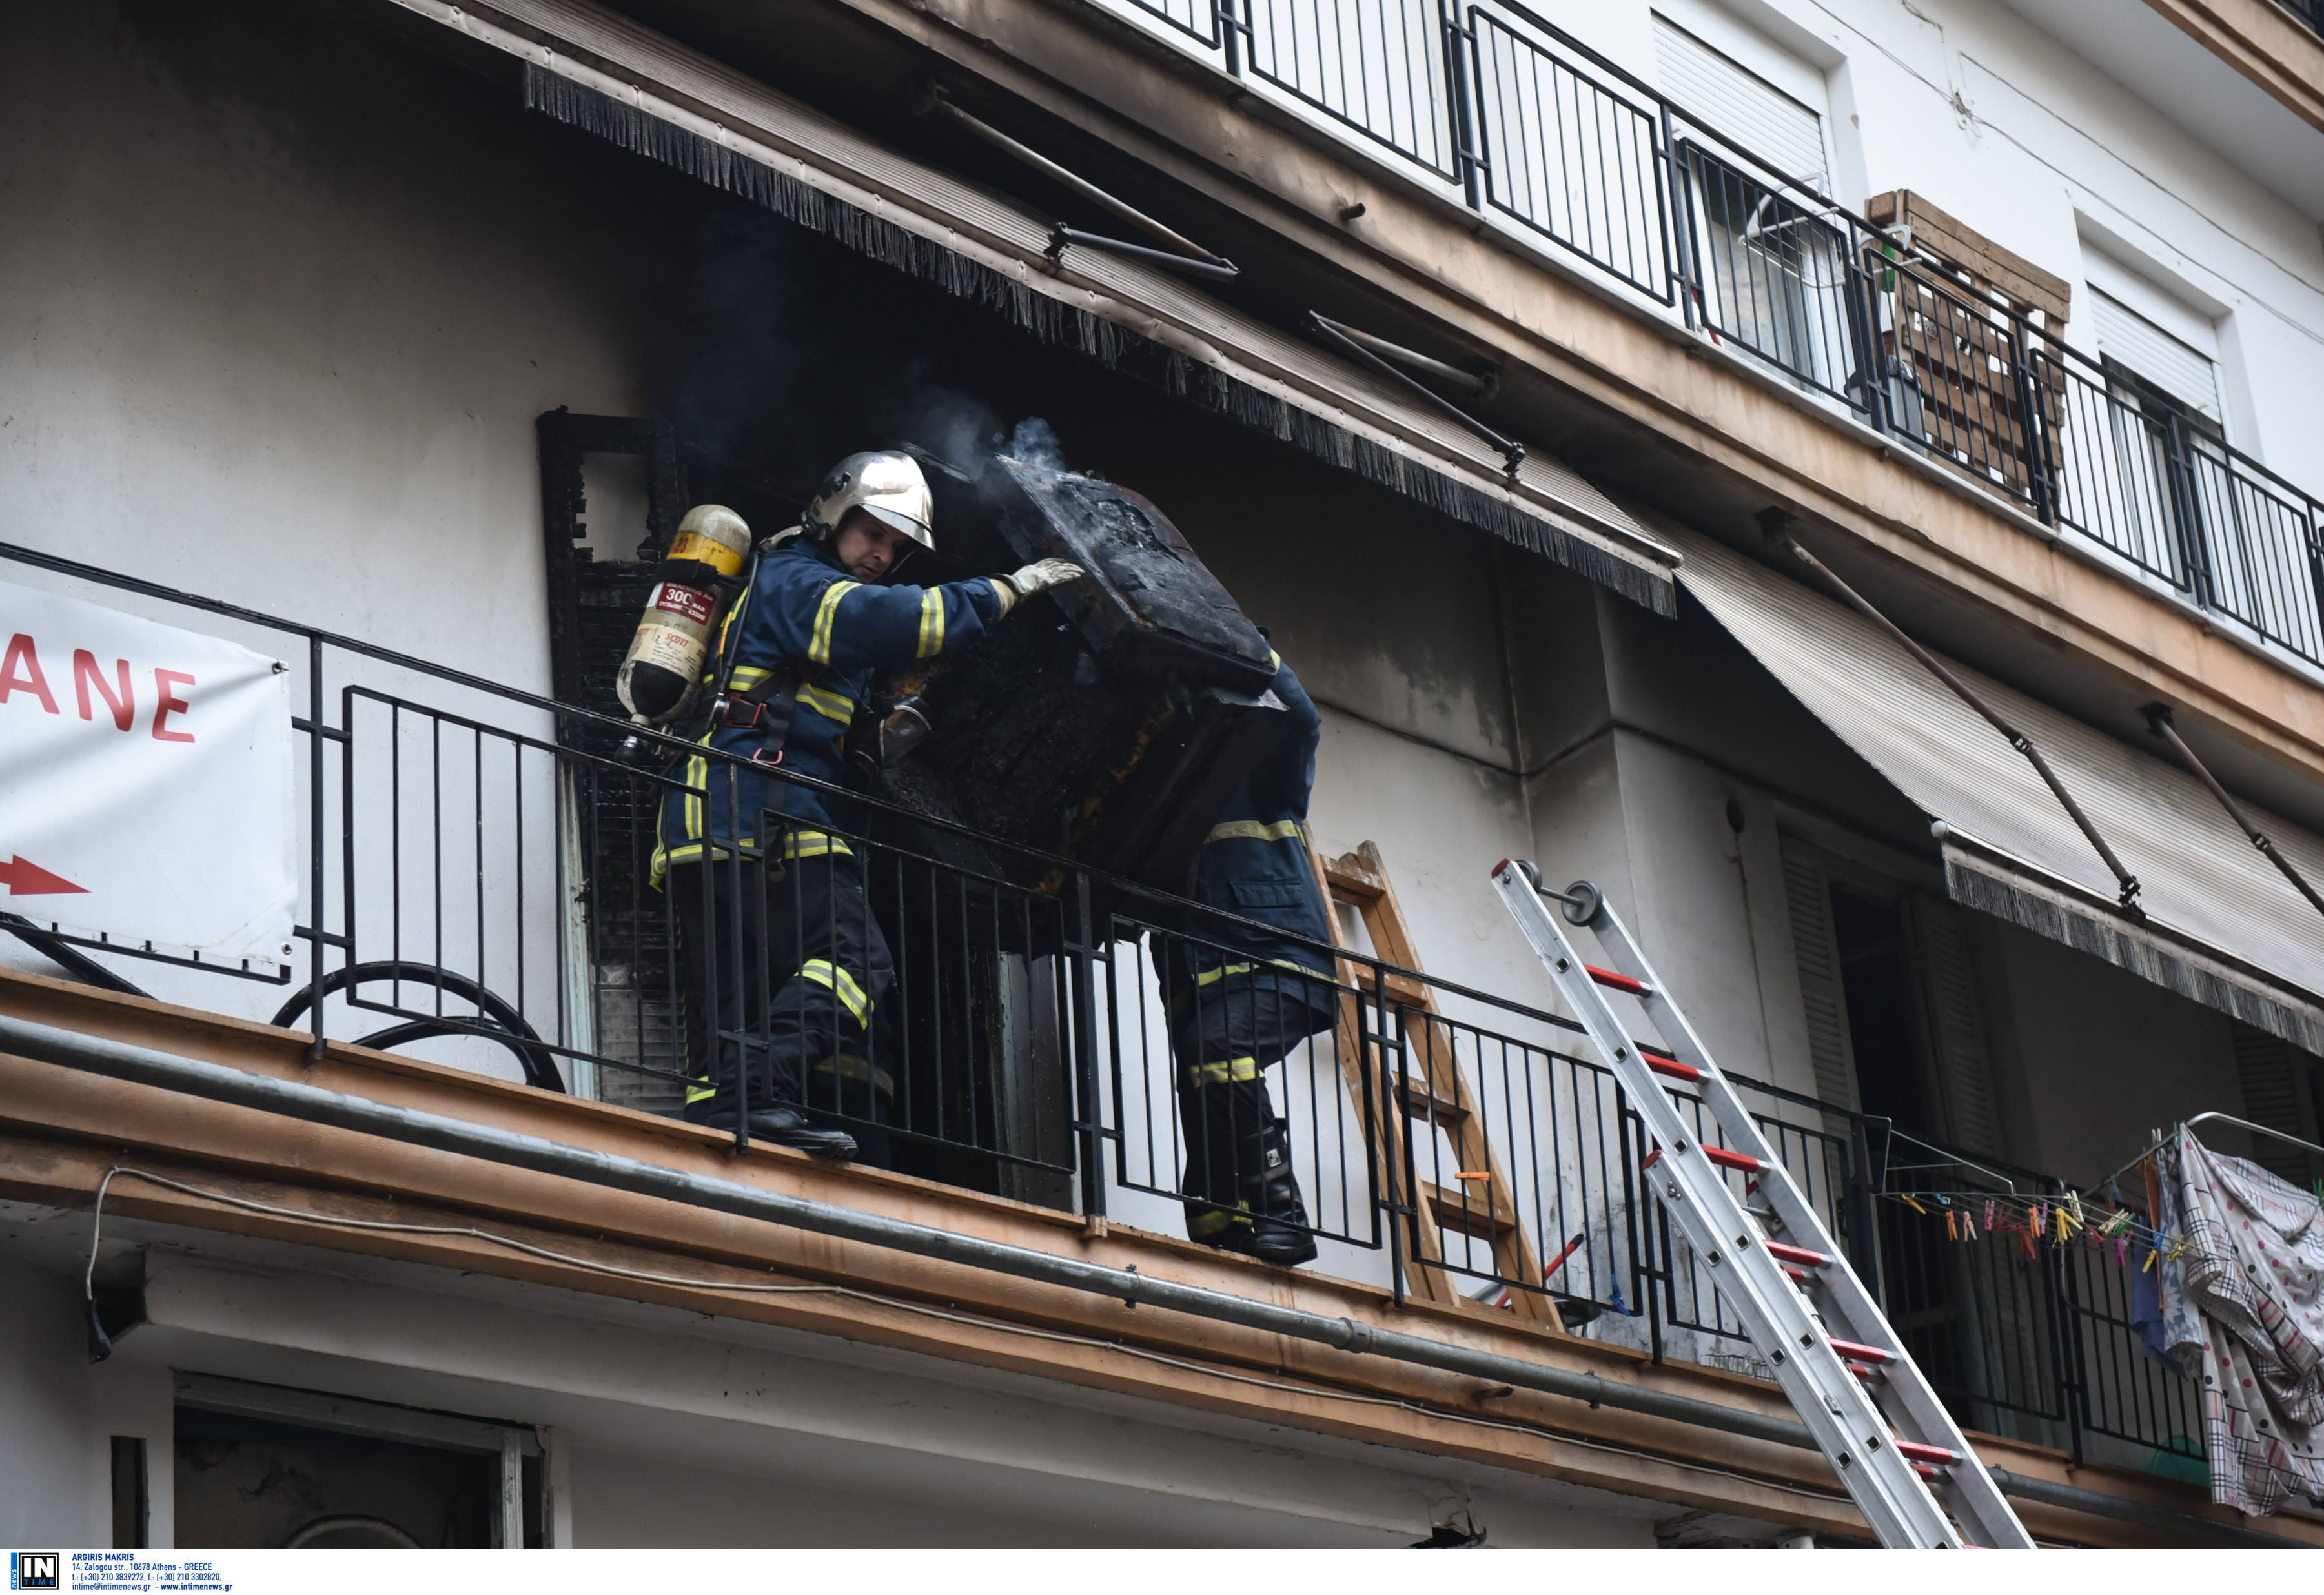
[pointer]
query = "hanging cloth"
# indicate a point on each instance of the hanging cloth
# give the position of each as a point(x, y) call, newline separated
point(2253, 1268)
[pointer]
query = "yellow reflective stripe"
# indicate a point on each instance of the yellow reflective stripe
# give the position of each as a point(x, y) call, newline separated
point(697, 779)
point(848, 1066)
point(1201, 1224)
point(749, 676)
point(1226, 1073)
point(1254, 831)
point(1212, 976)
point(932, 623)
point(831, 705)
point(818, 648)
point(1274, 659)
point(698, 1091)
point(806, 844)
point(841, 984)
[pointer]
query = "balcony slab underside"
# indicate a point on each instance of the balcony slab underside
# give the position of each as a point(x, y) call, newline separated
point(62, 1131)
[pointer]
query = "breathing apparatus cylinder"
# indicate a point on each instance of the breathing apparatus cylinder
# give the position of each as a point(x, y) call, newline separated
point(664, 664)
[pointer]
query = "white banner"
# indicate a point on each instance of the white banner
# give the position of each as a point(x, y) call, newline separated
point(146, 789)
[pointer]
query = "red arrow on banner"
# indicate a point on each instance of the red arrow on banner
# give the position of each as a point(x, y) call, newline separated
point(23, 878)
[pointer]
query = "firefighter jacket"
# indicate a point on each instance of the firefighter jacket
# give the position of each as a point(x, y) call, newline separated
point(804, 611)
point(1254, 862)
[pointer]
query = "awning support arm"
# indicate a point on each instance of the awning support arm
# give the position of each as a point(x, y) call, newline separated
point(1778, 523)
point(1344, 338)
point(2158, 718)
point(1181, 251)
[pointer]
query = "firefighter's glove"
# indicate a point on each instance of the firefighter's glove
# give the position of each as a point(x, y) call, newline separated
point(1036, 578)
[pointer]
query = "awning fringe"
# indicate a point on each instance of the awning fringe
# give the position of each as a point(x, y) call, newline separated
point(1067, 326)
point(2126, 948)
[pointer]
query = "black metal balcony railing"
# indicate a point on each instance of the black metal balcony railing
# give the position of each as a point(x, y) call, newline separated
point(1523, 122)
point(478, 887)
point(2309, 11)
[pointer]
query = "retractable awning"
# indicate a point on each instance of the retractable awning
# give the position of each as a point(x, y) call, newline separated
point(598, 70)
point(2222, 926)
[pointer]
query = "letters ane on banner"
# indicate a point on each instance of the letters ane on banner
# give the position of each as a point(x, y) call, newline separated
point(146, 781)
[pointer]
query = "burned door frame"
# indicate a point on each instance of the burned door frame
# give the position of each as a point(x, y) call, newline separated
point(577, 584)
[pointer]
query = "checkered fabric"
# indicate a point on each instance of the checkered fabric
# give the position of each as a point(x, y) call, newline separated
point(2254, 1270)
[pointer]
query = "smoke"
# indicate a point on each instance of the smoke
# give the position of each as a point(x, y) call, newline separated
point(959, 428)
point(775, 359)
point(1035, 442)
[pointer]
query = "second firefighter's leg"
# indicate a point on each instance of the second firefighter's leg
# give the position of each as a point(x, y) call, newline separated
point(1241, 1194)
point(824, 936)
point(1207, 1115)
point(1270, 1193)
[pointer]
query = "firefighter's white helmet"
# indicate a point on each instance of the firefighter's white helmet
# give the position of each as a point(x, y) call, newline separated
point(886, 483)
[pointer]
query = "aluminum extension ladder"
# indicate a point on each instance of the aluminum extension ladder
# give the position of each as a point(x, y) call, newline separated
point(1898, 1451)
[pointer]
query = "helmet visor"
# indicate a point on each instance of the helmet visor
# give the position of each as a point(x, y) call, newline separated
point(895, 519)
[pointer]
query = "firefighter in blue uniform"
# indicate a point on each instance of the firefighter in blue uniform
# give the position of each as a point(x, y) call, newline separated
point(801, 963)
point(1241, 1000)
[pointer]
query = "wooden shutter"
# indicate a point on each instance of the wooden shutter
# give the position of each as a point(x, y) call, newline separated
point(2279, 1084)
point(1808, 888)
point(1938, 934)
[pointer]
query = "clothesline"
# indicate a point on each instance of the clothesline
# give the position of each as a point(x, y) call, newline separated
point(2245, 1124)
point(1971, 1215)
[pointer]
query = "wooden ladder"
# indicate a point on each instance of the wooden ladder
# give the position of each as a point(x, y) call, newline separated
point(1432, 1094)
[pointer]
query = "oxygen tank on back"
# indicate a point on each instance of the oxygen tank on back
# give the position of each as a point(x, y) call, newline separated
point(664, 664)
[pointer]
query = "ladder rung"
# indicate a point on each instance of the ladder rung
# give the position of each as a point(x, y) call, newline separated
point(1799, 1255)
point(1421, 1096)
point(1663, 1064)
point(1935, 1455)
point(1870, 1356)
point(1721, 1156)
point(1621, 982)
point(1470, 1214)
point(1401, 989)
point(1353, 874)
point(1925, 1471)
point(1799, 1276)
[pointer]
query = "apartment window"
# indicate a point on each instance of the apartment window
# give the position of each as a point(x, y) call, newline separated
point(1767, 267)
point(2145, 330)
point(1896, 1032)
point(2139, 349)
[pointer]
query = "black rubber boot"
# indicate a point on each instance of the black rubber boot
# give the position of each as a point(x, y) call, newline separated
point(1207, 1115)
point(786, 1126)
point(1277, 1233)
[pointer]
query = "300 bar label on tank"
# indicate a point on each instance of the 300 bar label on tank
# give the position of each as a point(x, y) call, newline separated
point(691, 602)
